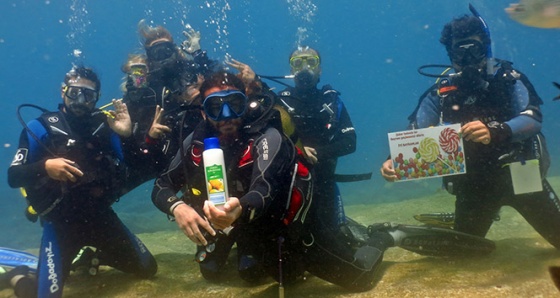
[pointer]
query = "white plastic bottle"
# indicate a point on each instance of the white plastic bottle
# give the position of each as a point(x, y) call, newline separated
point(215, 171)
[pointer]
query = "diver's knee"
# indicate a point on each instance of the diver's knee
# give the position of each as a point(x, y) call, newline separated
point(250, 270)
point(148, 271)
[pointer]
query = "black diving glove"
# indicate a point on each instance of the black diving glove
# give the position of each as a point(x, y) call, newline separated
point(499, 132)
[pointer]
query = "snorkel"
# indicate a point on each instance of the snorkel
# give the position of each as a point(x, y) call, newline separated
point(489, 56)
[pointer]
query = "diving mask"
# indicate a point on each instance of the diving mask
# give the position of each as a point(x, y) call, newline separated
point(161, 51)
point(467, 52)
point(299, 62)
point(222, 105)
point(138, 74)
point(81, 94)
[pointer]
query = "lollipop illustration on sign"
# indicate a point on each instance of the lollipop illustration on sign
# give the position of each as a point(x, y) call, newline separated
point(429, 151)
point(449, 140)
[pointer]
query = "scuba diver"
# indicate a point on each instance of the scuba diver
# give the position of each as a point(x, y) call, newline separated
point(270, 190)
point(323, 127)
point(71, 164)
point(161, 92)
point(501, 120)
point(270, 210)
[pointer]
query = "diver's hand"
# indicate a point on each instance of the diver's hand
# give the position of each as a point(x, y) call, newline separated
point(119, 121)
point(62, 169)
point(477, 132)
point(224, 216)
point(192, 43)
point(247, 74)
point(310, 154)
point(192, 92)
point(158, 130)
point(388, 172)
point(190, 222)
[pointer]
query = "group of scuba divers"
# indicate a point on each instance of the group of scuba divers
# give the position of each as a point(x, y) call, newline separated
point(284, 212)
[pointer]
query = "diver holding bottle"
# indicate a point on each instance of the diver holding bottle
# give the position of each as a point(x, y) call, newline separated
point(270, 189)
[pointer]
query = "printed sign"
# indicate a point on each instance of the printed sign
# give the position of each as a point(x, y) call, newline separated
point(427, 153)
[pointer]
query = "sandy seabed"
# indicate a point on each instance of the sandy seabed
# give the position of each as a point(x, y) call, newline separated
point(517, 268)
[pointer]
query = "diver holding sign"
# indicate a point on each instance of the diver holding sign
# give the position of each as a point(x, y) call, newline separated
point(498, 109)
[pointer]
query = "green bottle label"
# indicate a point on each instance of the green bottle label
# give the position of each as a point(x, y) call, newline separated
point(214, 172)
point(215, 184)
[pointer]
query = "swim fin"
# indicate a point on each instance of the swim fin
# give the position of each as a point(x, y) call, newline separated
point(440, 242)
point(437, 219)
point(555, 275)
point(433, 241)
point(12, 258)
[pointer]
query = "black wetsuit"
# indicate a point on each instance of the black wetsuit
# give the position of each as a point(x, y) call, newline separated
point(260, 169)
point(149, 157)
point(77, 214)
point(322, 122)
point(509, 106)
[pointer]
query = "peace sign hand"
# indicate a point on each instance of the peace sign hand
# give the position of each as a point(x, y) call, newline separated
point(158, 130)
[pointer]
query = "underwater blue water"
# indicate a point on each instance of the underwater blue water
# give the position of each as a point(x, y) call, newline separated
point(370, 52)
